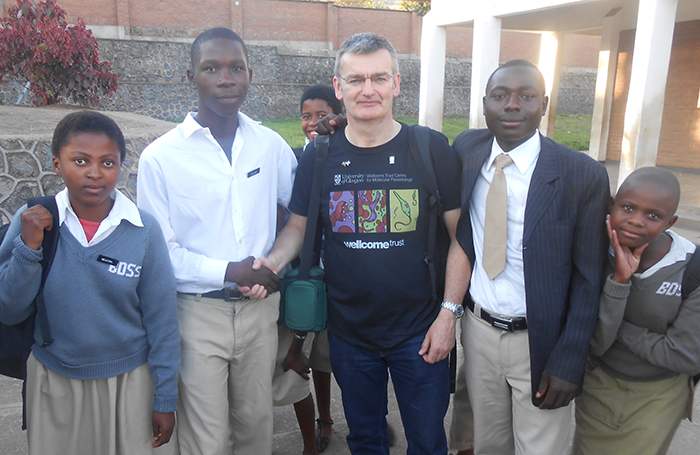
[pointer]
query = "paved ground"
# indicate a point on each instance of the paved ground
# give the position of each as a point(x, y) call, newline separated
point(287, 438)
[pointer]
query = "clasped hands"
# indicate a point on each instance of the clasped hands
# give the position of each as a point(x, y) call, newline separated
point(256, 278)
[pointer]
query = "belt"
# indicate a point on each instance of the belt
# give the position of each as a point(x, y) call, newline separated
point(507, 324)
point(227, 294)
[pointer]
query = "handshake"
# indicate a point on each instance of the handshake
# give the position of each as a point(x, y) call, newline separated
point(256, 278)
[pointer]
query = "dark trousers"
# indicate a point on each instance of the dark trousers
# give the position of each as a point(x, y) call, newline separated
point(422, 391)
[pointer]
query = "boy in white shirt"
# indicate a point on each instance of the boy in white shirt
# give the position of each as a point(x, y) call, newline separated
point(214, 183)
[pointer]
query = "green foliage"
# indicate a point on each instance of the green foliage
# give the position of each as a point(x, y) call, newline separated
point(422, 8)
point(572, 131)
point(60, 61)
point(374, 4)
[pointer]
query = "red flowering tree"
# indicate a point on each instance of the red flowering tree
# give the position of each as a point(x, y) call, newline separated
point(60, 61)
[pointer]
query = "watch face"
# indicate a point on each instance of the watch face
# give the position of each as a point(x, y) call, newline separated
point(457, 309)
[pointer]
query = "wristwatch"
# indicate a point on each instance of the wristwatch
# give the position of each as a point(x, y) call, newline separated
point(458, 310)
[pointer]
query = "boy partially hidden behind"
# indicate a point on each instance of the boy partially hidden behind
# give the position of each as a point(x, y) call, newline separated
point(213, 183)
point(645, 347)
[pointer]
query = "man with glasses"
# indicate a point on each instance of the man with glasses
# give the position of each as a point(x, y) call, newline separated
point(375, 214)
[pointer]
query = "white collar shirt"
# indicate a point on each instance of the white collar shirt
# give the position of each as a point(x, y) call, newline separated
point(123, 209)
point(213, 212)
point(505, 294)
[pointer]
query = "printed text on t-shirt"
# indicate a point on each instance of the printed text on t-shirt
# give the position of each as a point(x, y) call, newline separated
point(669, 288)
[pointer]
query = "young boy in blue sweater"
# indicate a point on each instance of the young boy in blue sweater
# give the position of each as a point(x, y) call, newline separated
point(645, 345)
point(108, 382)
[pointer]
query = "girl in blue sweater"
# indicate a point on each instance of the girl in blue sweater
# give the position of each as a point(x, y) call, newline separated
point(108, 382)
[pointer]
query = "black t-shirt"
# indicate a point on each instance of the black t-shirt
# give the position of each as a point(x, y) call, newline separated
point(375, 213)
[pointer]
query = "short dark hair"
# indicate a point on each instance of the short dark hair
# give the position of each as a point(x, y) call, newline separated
point(215, 33)
point(87, 122)
point(518, 63)
point(656, 176)
point(366, 43)
point(322, 92)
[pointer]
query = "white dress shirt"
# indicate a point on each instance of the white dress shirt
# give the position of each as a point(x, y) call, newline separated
point(212, 211)
point(505, 294)
point(123, 209)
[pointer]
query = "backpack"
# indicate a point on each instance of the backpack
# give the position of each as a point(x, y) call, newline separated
point(16, 340)
point(419, 144)
point(438, 237)
point(690, 282)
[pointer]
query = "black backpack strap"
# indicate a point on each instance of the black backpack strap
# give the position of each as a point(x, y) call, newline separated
point(48, 246)
point(321, 149)
point(419, 143)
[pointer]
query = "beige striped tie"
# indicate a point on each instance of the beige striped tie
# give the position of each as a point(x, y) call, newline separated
point(496, 222)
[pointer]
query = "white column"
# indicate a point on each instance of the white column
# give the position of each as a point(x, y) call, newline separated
point(485, 55)
point(604, 86)
point(645, 101)
point(432, 73)
point(551, 56)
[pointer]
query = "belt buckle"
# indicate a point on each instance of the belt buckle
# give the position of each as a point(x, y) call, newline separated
point(233, 295)
point(502, 323)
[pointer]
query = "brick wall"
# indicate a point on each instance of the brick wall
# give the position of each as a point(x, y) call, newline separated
point(172, 18)
point(679, 142)
point(292, 21)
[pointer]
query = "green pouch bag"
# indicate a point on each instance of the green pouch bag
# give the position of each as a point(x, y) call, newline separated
point(303, 295)
point(304, 303)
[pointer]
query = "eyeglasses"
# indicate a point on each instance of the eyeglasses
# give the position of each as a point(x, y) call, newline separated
point(378, 80)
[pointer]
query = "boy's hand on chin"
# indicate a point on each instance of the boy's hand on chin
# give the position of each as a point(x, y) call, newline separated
point(34, 221)
point(626, 260)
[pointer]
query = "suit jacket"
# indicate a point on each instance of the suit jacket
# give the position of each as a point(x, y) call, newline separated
point(564, 249)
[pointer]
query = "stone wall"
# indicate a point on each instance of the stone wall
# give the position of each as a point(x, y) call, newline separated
point(152, 81)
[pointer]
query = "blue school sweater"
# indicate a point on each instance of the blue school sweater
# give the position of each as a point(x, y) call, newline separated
point(111, 306)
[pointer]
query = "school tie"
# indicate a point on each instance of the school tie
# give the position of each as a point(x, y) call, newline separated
point(496, 221)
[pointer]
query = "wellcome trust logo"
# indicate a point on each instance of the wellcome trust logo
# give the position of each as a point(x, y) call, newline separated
point(361, 245)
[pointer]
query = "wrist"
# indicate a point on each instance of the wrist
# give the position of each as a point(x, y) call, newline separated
point(454, 308)
point(232, 272)
point(276, 263)
point(29, 245)
point(620, 278)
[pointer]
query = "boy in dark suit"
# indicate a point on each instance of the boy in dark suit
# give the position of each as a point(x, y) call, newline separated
point(532, 225)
